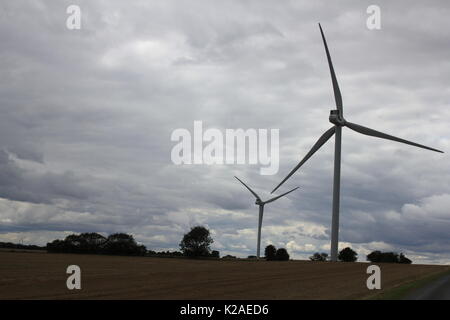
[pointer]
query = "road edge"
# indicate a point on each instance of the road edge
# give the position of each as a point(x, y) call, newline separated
point(401, 291)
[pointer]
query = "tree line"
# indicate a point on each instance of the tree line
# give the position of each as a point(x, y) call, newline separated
point(349, 255)
point(271, 253)
point(195, 244)
point(95, 243)
point(10, 245)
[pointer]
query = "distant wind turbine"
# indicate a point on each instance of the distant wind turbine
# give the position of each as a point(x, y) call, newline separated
point(337, 118)
point(261, 204)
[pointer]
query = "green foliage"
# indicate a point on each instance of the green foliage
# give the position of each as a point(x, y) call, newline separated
point(403, 259)
point(387, 257)
point(122, 244)
point(347, 255)
point(215, 254)
point(282, 255)
point(270, 252)
point(94, 243)
point(196, 243)
point(319, 256)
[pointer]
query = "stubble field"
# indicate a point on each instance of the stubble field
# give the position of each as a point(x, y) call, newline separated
point(43, 276)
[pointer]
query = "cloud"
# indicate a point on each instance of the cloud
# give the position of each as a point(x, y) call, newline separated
point(18, 183)
point(87, 117)
point(293, 247)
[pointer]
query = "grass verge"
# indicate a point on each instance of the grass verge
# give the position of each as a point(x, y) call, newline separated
point(401, 291)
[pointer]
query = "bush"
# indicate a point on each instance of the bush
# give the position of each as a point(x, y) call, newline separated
point(229, 257)
point(123, 244)
point(282, 255)
point(92, 242)
point(387, 257)
point(215, 254)
point(347, 255)
point(403, 259)
point(378, 256)
point(270, 252)
point(196, 242)
point(319, 256)
point(57, 246)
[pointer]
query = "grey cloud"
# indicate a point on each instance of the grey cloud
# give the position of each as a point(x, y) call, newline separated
point(20, 184)
point(87, 117)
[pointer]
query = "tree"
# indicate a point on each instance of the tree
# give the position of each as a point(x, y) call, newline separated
point(91, 242)
point(374, 256)
point(378, 256)
point(270, 252)
point(282, 255)
point(73, 244)
point(123, 244)
point(403, 259)
point(56, 246)
point(319, 256)
point(196, 242)
point(215, 254)
point(347, 255)
point(387, 257)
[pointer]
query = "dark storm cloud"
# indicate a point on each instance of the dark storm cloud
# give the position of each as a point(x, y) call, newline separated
point(87, 117)
point(23, 185)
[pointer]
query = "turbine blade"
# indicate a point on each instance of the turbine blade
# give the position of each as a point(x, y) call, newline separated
point(324, 138)
point(378, 134)
point(249, 189)
point(278, 197)
point(337, 92)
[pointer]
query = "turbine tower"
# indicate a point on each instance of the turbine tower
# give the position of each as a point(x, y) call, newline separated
point(261, 204)
point(337, 118)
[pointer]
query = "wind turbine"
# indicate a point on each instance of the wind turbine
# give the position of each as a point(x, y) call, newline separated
point(261, 204)
point(337, 118)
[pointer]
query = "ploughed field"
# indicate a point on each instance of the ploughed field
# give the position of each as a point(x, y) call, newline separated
point(43, 276)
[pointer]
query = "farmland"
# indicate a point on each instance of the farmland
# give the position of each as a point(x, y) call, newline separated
point(25, 275)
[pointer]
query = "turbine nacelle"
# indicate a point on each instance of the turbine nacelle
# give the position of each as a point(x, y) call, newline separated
point(258, 202)
point(337, 118)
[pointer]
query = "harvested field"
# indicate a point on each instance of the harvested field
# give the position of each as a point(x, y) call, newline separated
point(43, 276)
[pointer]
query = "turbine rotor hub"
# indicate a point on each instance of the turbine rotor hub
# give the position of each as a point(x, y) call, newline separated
point(336, 118)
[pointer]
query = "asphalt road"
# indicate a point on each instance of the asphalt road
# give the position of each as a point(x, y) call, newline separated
point(436, 290)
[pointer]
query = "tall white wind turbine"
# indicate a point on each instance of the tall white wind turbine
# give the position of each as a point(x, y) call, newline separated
point(337, 118)
point(261, 204)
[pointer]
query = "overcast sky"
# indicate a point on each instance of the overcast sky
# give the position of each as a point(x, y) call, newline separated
point(87, 116)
